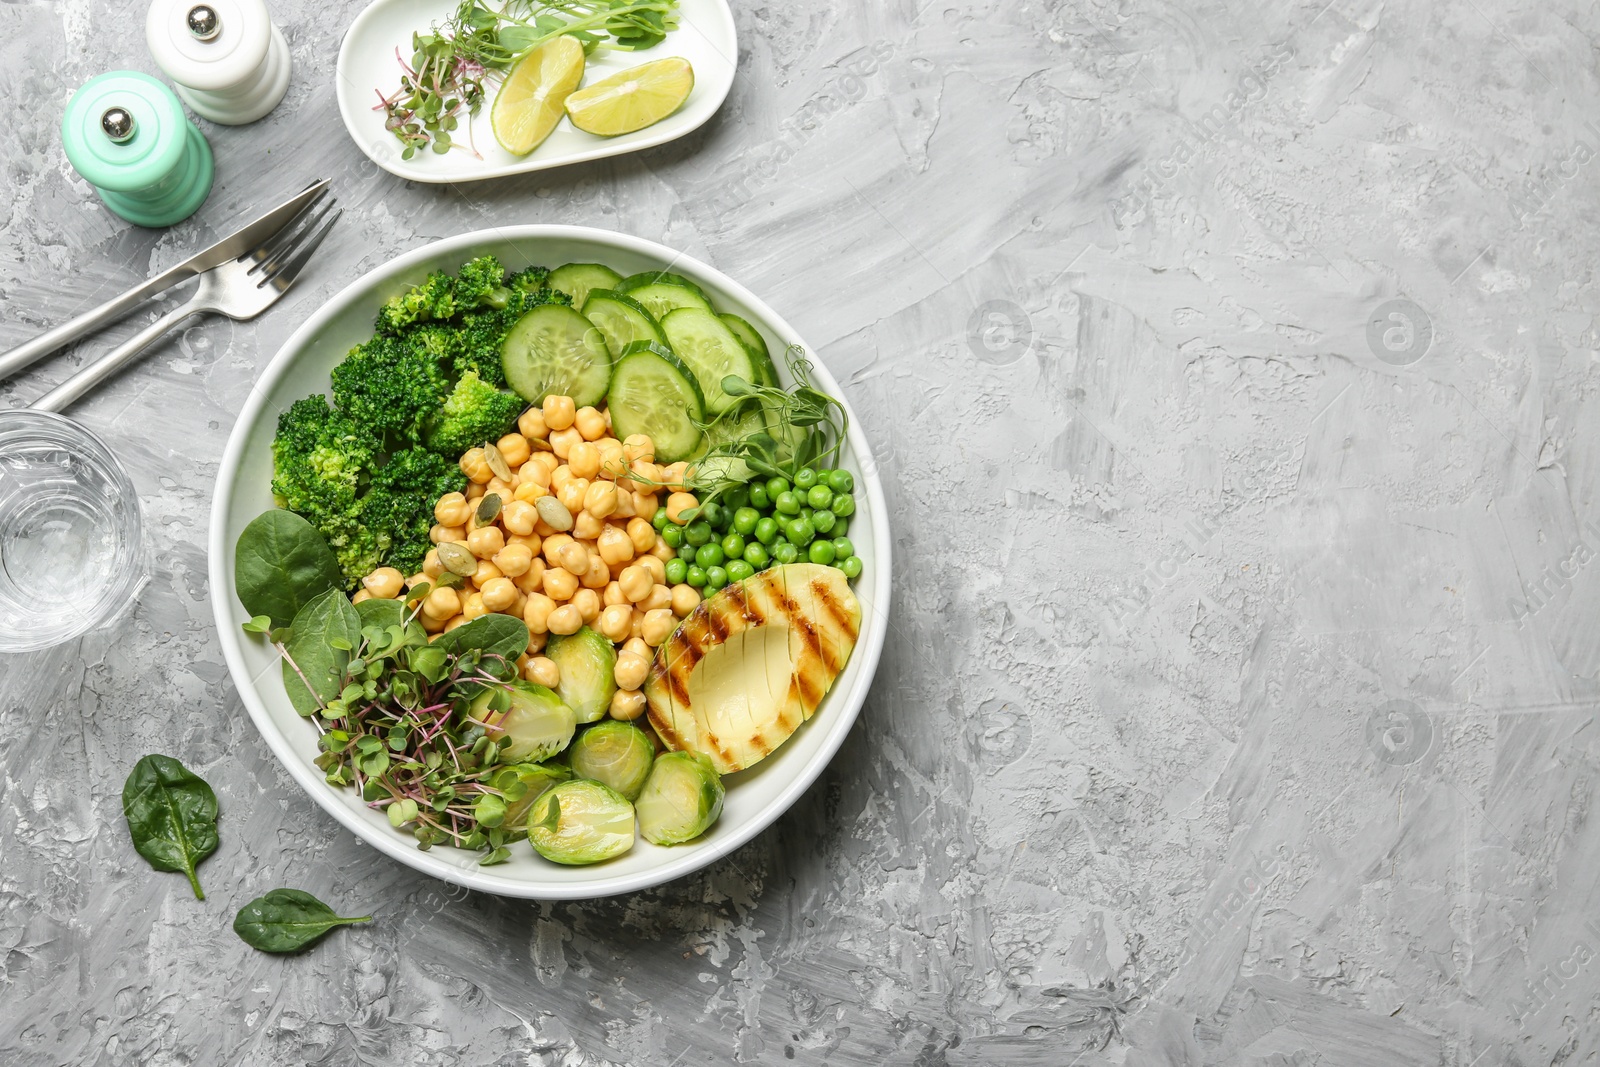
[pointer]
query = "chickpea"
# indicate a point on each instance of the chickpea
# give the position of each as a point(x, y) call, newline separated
point(560, 584)
point(636, 644)
point(566, 619)
point(552, 548)
point(534, 474)
point(590, 423)
point(561, 477)
point(527, 492)
point(642, 535)
point(645, 504)
point(561, 442)
point(600, 499)
point(486, 542)
point(459, 620)
point(515, 448)
point(486, 573)
point(584, 459)
point(624, 505)
point(536, 643)
point(361, 595)
point(646, 475)
point(586, 527)
point(417, 579)
point(613, 460)
point(532, 542)
point(574, 557)
point(475, 493)
point(658, 625)
point(548, 460)
point(514, 560)
point(383, 583)
point(498, 594)
point(558, 412)
point(615, 621)
point(657, 569)
point(571, 494)
point(432, 625)
point(598, 576)
point(536, 612)
point(678, 503)
point(627, 704)
point(542, 670)
point(638, 446)
point(440, 534)
point(631, 670)
point(473, 607)
point(613, 595)
point(442, 603)
point(500, 488)
point(475, 466)
point(587, 601)
point(663, 551)
point(531, 424)
point(532, 579)
point(685, 598)
point(673, 475)
point(451, 510)
point(660, 597)
point(519, 517)
point(614, 545)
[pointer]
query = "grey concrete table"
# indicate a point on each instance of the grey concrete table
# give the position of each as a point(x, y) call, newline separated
point(1232, 371)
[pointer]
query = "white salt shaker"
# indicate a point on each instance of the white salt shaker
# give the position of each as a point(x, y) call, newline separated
point(229, 62)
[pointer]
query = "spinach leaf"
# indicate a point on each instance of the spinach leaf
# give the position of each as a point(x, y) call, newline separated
point(500, 635)
point(172, 815)
point(287, 920)
point(281, 564)
point(325, 632)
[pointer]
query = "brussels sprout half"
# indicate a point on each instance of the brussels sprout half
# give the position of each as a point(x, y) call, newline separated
point(580, 822)
point(617, 754)
point(681, 799)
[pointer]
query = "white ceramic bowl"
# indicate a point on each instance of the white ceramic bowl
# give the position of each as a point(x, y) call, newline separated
point(755, 797)
point(705, 37)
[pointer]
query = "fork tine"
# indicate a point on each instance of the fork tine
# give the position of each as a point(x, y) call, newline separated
point(285, 237)
point(282, 277)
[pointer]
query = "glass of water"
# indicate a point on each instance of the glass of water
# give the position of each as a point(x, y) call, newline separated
point(71, 541)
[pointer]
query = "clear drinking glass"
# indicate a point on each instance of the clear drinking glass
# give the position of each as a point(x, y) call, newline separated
point(71, 540)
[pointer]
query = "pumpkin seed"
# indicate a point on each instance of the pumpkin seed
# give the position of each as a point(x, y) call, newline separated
point(497, 462)
point(553, 512)
point(457, 560)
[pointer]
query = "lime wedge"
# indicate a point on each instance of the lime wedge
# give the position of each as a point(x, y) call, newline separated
point(633, 99)
point(528, 105)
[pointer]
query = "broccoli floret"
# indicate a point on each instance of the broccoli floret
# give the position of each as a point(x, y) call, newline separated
point(530, 280)
point(388, 386)
point(321, 463)
point(434, 299)
point(473, 341)
point(474, 412)
point(481, 282)
point(400, 503)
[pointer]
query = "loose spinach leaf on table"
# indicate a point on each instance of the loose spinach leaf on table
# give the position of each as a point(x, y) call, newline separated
point(287, 920)
point(172, 815)
point(281, 564)
point(325, 632)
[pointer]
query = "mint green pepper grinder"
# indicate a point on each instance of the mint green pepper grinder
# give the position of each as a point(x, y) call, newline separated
point(126, 133)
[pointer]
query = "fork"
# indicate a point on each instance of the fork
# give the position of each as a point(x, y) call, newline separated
point(240, 289)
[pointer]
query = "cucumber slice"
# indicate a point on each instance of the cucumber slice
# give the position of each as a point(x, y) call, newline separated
point(653, 393)
point(711, 350)
point(578, 280)
point(623, 320)
point(651, 277)
point(588, 661)
point(755, 343)
point(553, 350)
point(659, 298)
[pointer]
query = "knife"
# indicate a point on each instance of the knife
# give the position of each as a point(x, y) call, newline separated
point(244, 240)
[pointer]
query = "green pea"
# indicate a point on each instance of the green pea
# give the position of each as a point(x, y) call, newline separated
point(715, 514)
point(745, 519)
point(821, 552)
point(776, 486)
point(716, 577)
point(760, 498)
point(672, 535)
point(841, 481)
point(736, 498)
point(756, 555)
point(819, 496)
point(733, 546)
point(841, 527)
point(696, 577)
point(709, 556)
point(739, 570)
point(784, 552)
point(659, 520)
point(698, 533)
point(787, 503)
point(677, 571)
point(843, 547)
point(800, 531)
point(823, 521)
point(686, 553)
point(805, 478)
point(851, 567)
point(843, 505)
point(767, 530)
